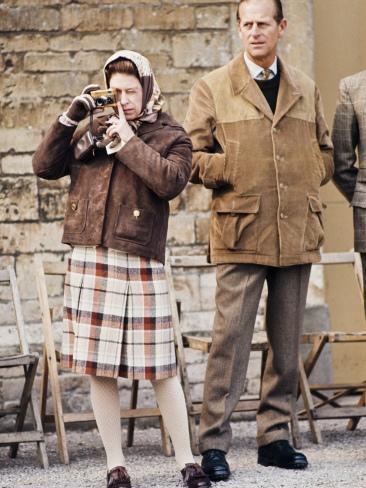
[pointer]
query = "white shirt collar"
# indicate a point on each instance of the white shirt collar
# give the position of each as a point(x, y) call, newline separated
point(255, 70)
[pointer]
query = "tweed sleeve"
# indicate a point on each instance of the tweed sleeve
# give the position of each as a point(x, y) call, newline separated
point(345, 137)
point(208, 164)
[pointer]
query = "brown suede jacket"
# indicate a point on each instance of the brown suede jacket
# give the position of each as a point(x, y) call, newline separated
point(119, 201)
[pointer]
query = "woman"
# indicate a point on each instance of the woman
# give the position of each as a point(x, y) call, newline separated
point(124, 169)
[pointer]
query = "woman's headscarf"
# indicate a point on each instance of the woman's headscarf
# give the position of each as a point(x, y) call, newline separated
point(152, 99)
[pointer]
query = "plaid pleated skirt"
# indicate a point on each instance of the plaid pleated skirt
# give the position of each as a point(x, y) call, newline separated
point(117, 316)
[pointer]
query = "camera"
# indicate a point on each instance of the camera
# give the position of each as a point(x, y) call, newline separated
point(104, 98)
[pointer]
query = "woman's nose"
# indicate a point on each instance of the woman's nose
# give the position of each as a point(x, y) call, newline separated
point(124, 98)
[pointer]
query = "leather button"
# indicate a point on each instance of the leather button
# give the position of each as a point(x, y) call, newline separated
point(74, 206)
point(136, 213)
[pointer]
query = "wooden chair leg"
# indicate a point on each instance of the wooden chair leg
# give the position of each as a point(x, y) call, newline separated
point(41, 446)
point(52, 366)
point(44, 387)
point(295, 430)
point(133, 405)
point(29, 373)
point(308, 402)
point(353, 422)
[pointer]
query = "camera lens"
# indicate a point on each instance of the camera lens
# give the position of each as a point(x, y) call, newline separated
point(101, 101)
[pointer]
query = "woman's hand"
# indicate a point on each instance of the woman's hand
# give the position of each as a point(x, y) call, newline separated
point(120, 126)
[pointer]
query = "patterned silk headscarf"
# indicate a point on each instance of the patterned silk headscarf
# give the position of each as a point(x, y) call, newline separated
point(152, 99)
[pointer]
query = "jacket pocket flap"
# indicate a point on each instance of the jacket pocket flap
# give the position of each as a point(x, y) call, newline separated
point(315, 204)
point(248, 204)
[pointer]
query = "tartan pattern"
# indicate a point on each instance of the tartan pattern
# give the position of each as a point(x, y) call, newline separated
point(349, 137)
point(117, 316)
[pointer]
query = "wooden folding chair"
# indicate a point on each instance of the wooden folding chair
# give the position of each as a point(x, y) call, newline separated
point(322, 401)
point(29, 363)
point(51, 374)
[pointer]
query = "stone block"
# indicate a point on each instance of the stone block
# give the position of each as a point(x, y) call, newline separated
point(105, 18)
point(316, 286)
point(18, 199)
point(202, 229)
point(29, 19)
point(82, 61)
point(165, 18)
point(181, 229)
point(17, 165)
point(31, 237)
point(19, 140)
point(40, 113)
point(178, 106)
point(187, 291)
point(49, 85)
point(23, 43)
point(197, 321)
point(145, 42)
point(177, 204)
point(26, 272)
point(213, 17)
point(74, 42)
point(208, 289)
point(198, 198)
point(38, 3)
point(208, 49)
point(2, 63)
point(172, 80)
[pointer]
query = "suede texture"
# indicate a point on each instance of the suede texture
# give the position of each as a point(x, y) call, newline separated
point(119, 201)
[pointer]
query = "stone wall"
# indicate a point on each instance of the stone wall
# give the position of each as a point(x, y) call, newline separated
point(50, 49)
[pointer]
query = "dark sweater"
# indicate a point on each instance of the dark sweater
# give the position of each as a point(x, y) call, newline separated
point(270, 90)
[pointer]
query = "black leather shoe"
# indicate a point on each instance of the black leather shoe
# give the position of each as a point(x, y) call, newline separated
point(214, 464)
point(282, 455)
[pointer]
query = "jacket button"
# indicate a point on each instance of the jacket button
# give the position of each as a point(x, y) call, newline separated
point(136, 213)
point(74, 206)
point(283, 216)
point(278, 157)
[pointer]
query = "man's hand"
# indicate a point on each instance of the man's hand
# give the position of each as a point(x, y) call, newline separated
point(82, 105)
point(119, 126)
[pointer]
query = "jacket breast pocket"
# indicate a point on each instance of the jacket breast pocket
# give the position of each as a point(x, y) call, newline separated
point(314, 231)
point(134, 224)
point(236, 225)
point(76, 215)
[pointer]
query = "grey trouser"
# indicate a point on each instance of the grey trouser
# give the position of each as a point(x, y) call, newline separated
point(239, 288)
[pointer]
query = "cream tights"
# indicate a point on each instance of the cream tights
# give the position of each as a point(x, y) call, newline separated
point(106, 406)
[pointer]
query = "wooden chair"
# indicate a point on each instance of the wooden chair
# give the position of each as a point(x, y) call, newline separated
point(51, 374)
point(28, 362)
point(322, 401)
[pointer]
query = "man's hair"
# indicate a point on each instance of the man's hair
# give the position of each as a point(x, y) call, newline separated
point(278, 15)
point(121, 65)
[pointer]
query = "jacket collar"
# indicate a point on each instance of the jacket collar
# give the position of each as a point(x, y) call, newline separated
point(242, 83)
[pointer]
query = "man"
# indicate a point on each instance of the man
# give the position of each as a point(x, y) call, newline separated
point(261, 144)
point(349, 134)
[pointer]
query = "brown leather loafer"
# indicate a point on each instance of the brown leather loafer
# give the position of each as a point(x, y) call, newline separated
point(118, 478)
point(195, 477)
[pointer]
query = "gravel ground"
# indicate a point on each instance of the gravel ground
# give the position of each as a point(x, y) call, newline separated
point(339, 462)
